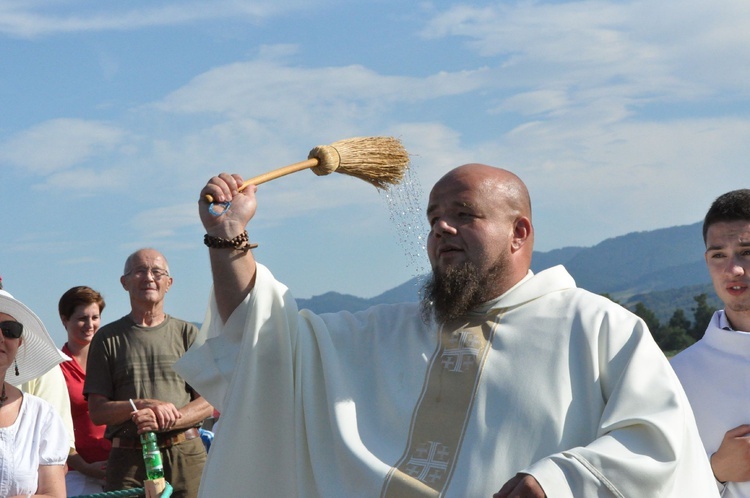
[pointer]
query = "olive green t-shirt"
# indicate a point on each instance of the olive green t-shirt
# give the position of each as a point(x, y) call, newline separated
point(132, 361)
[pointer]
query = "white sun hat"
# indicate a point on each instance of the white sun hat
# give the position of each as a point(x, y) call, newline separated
point(38, 352)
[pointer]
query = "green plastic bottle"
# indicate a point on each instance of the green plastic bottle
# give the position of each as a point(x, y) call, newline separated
point(152, 456)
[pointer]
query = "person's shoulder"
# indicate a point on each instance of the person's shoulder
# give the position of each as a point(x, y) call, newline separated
point(599, 299)
point(183, 324)
point(42, 414)
point(685, 357)
point(114, 327)
point(580, 294)
point(37, 405)
point(108, 334)
point(585, 303)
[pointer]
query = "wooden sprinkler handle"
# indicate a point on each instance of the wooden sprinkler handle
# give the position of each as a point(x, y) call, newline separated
point(274, 174)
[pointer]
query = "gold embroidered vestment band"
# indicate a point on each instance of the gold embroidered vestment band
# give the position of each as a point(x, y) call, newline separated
point(442, 413)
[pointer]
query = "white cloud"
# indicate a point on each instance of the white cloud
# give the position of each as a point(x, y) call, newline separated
point(43, 18)
point(590, 182)
point(163, 222)
point(255, 116)
point(663, 48)
point(535, 102)
point(272, 91)
point(58, 144)
point(84, 182)
point(561, 94)
point(305, 194)
point(439, 149)
point(621, 115)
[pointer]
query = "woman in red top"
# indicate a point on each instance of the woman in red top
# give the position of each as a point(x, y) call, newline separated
point(80, 311)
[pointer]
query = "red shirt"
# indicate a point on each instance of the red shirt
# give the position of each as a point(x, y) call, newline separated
point(90, 441)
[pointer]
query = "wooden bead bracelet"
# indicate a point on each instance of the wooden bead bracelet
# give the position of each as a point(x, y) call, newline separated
point(240, 242)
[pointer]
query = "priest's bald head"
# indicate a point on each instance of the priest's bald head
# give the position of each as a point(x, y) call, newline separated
point(481, 238)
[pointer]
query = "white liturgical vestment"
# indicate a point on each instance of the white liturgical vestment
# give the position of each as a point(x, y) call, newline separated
point(552, 381)
point(715, 372)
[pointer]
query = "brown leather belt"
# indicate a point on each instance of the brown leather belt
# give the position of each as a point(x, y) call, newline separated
point(163, 440)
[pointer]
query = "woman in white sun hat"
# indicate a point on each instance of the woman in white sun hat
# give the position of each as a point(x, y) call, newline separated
point(33, 440)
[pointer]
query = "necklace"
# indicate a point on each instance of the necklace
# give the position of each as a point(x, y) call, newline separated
point(3, 397)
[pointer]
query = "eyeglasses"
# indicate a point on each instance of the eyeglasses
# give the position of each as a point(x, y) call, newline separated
point(11, 330)
point(142, 271)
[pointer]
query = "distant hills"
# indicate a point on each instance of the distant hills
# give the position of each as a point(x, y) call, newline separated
point(638, 262)
point(664, 269)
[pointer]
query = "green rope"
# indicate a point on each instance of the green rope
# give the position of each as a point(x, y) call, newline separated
point(116, 494)
point(128, 492)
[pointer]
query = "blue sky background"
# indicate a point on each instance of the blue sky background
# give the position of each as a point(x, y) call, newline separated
point(619, 115)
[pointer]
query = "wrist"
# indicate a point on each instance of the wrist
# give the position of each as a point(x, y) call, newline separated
point(713, 468)
point(227, 230)
point(239, 242)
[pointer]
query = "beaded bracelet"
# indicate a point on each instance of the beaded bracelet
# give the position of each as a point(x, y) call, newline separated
point(240, 242)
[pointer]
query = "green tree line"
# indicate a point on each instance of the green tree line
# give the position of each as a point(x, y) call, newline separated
point(679, 331)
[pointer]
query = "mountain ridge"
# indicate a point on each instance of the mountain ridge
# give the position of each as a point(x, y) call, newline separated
point(643, 266)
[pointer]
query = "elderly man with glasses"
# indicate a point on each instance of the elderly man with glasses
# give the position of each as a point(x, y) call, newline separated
point(130, 364)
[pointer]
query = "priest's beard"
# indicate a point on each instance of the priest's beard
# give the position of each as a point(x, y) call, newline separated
point(451, 294)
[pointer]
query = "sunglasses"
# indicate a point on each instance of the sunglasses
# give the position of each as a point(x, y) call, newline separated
point(11, 330)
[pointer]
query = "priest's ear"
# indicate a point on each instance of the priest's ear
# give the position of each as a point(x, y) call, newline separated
point(523, 235)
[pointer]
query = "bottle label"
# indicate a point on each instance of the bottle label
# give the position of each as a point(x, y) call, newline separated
point(154, 466)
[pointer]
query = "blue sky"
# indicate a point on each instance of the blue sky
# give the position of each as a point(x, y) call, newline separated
point(620, 116)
